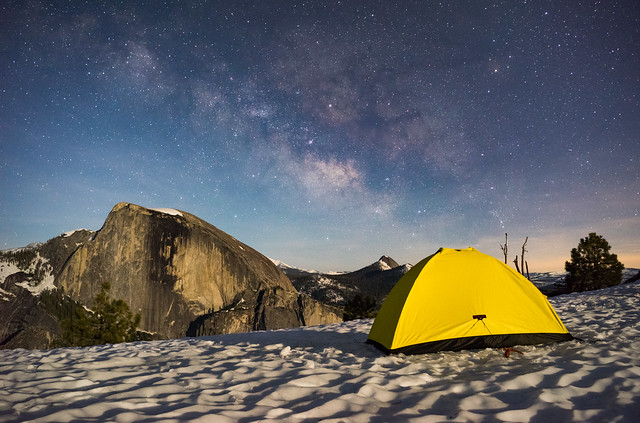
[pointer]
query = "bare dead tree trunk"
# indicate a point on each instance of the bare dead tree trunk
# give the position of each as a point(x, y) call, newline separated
point(522, 266)
point(522, 256)
point(505, 248)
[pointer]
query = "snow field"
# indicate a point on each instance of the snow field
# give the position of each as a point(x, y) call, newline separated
point(327, 373)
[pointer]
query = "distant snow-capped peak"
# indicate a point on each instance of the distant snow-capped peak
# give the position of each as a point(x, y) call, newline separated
point(387, 263)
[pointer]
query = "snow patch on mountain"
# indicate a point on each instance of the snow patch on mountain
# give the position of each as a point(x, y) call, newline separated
point(31, 246)
point(6, 269)
point(70, 233)
point(172, 212)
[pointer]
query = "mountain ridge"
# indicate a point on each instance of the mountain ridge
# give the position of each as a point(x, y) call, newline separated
point(169, 247)
point(170, 266)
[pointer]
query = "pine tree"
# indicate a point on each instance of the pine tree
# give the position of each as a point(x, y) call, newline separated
point(76, 329)
point(110, 322)
point(592, 266)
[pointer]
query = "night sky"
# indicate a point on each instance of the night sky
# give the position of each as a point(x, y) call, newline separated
point(328, 133)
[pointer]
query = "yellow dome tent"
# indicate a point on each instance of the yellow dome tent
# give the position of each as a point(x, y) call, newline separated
point(463, 299)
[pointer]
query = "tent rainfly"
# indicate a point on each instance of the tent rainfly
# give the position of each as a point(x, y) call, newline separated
point(463, 299)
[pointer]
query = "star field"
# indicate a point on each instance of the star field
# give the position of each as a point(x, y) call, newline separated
point(325, 134)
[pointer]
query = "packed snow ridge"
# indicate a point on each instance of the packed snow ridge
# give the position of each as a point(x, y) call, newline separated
point(327, 373)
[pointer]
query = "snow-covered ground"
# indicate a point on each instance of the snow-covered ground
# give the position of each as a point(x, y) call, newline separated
point(327, 373)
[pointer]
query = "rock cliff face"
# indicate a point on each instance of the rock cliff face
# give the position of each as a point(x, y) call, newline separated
point(176, 270)
point(25, 320)
point(263, 309)
point(24, 324)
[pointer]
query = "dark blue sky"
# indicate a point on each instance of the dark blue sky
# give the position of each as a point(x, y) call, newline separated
point(325, 134)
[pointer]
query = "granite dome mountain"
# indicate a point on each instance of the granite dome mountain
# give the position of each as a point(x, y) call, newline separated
point(182, 274)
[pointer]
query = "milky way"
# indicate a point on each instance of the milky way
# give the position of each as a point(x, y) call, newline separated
point(325, 134)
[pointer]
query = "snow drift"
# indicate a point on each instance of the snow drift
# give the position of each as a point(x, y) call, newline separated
point(327, 373)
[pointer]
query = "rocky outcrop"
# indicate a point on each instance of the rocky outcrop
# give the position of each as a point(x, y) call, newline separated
point(633, 278)
point(176, 270)
point(24, 323)
point(265, 309)
point(58, 250)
